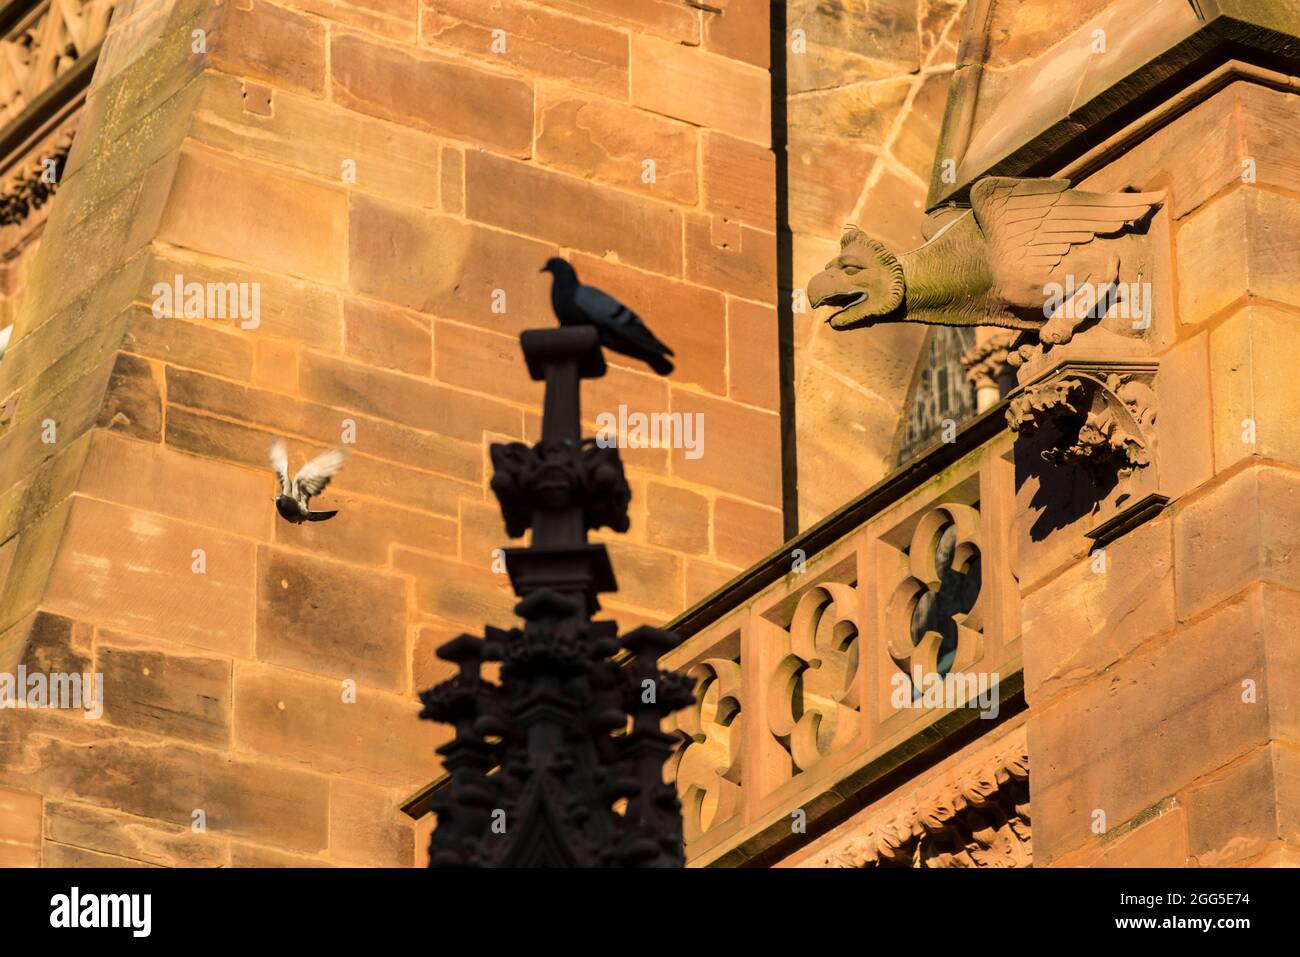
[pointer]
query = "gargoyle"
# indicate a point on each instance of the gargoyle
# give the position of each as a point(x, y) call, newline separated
point(991, 264)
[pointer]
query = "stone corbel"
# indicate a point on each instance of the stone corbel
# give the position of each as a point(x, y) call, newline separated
point(1096, 418)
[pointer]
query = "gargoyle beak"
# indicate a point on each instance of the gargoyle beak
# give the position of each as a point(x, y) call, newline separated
point(832, 287)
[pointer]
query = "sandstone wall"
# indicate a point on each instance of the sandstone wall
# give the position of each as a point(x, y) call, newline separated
point(866, 98)
point(384, 178)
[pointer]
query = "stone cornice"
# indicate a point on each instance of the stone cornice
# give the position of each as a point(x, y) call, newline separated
point(975, 816)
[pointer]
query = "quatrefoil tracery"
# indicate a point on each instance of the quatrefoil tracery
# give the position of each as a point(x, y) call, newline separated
point(935, 618)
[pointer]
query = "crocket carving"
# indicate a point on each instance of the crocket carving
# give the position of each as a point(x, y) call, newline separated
point(991, 264)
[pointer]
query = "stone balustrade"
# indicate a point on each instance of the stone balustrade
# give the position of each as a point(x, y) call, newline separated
point(887, 630)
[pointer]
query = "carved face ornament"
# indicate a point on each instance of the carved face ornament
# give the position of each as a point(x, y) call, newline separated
point(864, 282)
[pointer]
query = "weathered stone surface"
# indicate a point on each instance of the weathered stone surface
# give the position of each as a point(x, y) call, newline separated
point(307, 721)
point(330, 619)
point(660, 17)
point(741, 448)
point(1132, 737)
point(1159, 840)
point(1081, 622)
point(133, 403)
point(140, 840)
point(704, 578)
point(364, 531)
point(319, 139)
point(466, 594)
point(731, 257)
point(20, 828)
point(739, 180)
point(180, 696)
point(1234, 814)
point(443, 266)
point(159, 479)
point(289, 309)
point(134, 571)
point(742, 532)
point(472, 358)
point(611, 142)
point(367, 828)
point(535, 40)
point(702, 88)
point(648, 578)
point(742, 31)
point(268, 42)
point(438, 96)
point(915, 142)
point(1234, 535)
point(47, 643)
point(1234, 247)
point(281, 414)
point(65, 759)
point(677, 518)
point(394, 19)
point(215, 438)
point(389, 338)
point(1253, 380)
point(288, 225)
point(253, 855)
point(204, 344)
point(753, 354)
point(402, 399)
point(525, 199)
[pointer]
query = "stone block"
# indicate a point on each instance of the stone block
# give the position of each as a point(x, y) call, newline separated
point(368, 828)
point(438, 96)
point(330, 619)
point(307, 721)
point(525, 199)
point(743, 532)
point(380, 335)
point(610, 142)
point(536, 41)
point(1254, 387)
point(702, 88)
point(265, 216)
point(168, 693)
point(135, 571)
point(677, 518)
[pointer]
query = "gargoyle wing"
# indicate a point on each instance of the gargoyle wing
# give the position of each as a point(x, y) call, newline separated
point(1030, 224)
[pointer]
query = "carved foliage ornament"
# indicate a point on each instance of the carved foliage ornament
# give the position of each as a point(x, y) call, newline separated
point(1105, 423)
point(981, 820)
point(559, 475)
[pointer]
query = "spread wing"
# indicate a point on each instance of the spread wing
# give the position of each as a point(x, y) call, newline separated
point(606, 311)
point(1030, 224)
point(316, 474)
point(280, 462)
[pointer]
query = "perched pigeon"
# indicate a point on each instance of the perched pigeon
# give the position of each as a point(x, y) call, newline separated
point(620, 328)
point(291, 501)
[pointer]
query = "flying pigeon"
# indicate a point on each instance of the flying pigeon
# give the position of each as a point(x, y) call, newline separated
point(291, 501)
point(620, 328)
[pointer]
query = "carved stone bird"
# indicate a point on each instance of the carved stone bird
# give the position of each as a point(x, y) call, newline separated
point(292, 499)
point(619, 327)
point(990, 264)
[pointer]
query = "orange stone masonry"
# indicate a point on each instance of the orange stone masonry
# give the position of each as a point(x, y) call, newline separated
point(390, 177)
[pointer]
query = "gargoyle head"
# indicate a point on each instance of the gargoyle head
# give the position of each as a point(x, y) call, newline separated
point(864, 282)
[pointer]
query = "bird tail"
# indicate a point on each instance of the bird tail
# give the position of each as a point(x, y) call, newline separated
point(660, 364)
point(321, 516)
